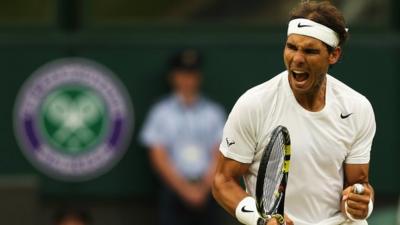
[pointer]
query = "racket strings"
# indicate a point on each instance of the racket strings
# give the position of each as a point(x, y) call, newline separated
point(273, 175)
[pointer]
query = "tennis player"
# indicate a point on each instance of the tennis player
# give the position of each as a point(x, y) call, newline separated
point(331, 128)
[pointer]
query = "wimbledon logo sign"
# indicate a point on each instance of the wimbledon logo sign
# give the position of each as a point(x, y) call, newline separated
point(73, 119)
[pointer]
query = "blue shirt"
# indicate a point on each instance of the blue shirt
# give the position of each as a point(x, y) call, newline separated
point(188, 132)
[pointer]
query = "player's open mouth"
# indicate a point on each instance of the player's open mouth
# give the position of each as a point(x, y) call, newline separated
point(300, 76)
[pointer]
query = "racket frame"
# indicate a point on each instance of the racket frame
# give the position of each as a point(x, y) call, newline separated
point(277, 210)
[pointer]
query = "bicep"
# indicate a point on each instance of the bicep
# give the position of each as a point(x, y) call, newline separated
point(355, 173)
point(230, 168)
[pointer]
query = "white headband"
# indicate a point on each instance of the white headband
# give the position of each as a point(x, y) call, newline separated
point(316, 30)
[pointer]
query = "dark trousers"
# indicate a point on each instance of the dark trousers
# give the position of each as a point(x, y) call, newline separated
point(174, 211)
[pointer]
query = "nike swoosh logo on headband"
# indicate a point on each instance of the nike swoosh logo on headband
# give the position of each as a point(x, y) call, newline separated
point(299, 25)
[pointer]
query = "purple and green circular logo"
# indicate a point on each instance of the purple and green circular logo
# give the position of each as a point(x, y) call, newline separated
point(73, 119)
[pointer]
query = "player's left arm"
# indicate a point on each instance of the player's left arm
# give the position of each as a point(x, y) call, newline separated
point(356, 164)
point(357, 204)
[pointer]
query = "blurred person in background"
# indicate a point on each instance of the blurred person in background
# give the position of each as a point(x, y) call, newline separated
point(72, 216)
point(182, 133)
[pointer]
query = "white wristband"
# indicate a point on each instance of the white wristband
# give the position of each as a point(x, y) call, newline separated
point(246, 211)
point(370, 208)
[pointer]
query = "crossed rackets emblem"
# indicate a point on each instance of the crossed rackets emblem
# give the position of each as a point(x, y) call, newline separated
point(73, 120)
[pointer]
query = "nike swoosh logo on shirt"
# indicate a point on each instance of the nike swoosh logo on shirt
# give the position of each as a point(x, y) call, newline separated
point(345, 116)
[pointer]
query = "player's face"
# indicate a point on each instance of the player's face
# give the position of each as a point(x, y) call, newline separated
point(307, 60)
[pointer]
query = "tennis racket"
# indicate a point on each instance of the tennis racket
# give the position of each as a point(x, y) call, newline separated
point(273, 175)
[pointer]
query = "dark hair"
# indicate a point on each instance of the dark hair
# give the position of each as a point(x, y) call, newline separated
point(186, 59)
point(324, 13)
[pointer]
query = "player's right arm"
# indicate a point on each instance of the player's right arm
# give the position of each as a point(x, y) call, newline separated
point(226, 186)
